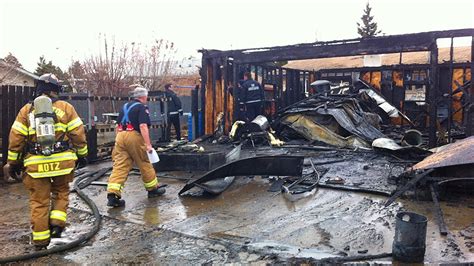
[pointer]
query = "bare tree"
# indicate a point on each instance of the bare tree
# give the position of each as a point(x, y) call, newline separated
point(8, 68)
point(117, 66)
point(108, 70)
point(152, 65)
point(12, 60)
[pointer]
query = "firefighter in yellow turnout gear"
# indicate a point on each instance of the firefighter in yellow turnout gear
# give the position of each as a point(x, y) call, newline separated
point(131, 146)
point(47, 144)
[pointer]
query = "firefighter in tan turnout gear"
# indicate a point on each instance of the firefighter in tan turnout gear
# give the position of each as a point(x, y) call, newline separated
point(47, 139)
point(132, 144)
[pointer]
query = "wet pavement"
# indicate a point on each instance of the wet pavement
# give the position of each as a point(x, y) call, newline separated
point(246, 223)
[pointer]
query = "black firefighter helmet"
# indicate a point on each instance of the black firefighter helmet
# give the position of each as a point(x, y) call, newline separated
point(47, 83)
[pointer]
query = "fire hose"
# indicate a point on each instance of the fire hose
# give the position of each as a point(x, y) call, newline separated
point(82, 239)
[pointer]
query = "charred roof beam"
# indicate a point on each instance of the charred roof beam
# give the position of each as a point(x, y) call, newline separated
point(377, 45)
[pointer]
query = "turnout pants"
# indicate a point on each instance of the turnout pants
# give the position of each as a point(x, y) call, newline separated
point(130, 148)
point(49, 199)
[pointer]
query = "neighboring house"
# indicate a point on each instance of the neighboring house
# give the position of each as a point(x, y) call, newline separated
point(17, 76)
point(78, 84)
point(187, 66)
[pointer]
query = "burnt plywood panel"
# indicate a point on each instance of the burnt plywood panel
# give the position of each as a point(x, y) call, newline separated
point(458, 153)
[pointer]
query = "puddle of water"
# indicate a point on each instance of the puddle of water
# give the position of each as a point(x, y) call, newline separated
point(284, 250)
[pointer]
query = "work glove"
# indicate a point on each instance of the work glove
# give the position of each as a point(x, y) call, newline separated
point(81, 162)
point(181, 112)
point(12, 173)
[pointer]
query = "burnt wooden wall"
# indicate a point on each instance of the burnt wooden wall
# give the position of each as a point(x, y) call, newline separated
point(291, 82)
point(289, 86)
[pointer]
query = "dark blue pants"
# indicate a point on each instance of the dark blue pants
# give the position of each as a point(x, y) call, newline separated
point(174, 120)
point(253, 110)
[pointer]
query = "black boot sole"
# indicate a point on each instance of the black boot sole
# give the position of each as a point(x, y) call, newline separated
point(115, 205)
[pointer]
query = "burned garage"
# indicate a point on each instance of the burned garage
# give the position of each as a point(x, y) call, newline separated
point(362, 152)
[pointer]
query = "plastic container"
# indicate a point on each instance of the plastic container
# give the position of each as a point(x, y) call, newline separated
point(190, 127)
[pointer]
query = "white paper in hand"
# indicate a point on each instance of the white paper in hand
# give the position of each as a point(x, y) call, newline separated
point(153, 156)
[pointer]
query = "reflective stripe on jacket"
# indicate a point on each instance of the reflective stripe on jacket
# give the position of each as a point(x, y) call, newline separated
point(68, 128)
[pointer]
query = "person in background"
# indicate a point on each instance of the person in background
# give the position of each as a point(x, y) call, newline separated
point(253, 97)
point(239, 106)
point(174, 111)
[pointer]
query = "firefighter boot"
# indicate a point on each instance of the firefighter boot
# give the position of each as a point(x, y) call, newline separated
point(114, 200)
point(40, 247)
point(156, 192)
point(56, 231)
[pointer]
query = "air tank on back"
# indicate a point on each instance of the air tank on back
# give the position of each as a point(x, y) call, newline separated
point(44, 124)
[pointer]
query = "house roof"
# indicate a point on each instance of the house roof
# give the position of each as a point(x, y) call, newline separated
point(461, 55)
point(20, 70)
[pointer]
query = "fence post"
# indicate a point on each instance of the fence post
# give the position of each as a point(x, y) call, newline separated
point(194, 111)
point(5, 125)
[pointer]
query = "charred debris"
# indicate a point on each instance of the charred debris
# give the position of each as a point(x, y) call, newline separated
point(342, 137)
point(351, 127)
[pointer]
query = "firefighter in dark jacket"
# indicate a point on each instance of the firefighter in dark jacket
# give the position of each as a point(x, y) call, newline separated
point(253, 97)
point(239, 106)
point(174, 111)
point(132, 144)
point(48, 139)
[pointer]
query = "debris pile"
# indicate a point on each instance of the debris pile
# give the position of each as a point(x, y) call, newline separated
point(355, 117)
point(345, 121)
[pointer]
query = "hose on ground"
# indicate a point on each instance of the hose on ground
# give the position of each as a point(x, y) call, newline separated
point(354, 189)
point(82, 239)
point(335, 260)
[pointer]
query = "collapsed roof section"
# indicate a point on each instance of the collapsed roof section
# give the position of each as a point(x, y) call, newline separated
point(413, 42)
point(222, 70)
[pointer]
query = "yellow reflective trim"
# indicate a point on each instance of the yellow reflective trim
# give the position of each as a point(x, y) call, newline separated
point(74, 124)
point(41, 235)
point(22, 129)
point(51, 173)
point(31, 131)
point(58, 215)
point(152, 183)
point(57, 157)
point(60, 127)
point(13, 156)
point(82, 151)
point(115, 186)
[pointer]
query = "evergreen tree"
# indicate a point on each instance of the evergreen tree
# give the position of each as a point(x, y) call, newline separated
point(48, 67)
point(75, 73)
point(12, 60)
point(76, 70)
point(367, 28)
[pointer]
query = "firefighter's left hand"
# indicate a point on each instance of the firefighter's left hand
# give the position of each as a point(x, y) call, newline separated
point(12, 173)
point(81, 162)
